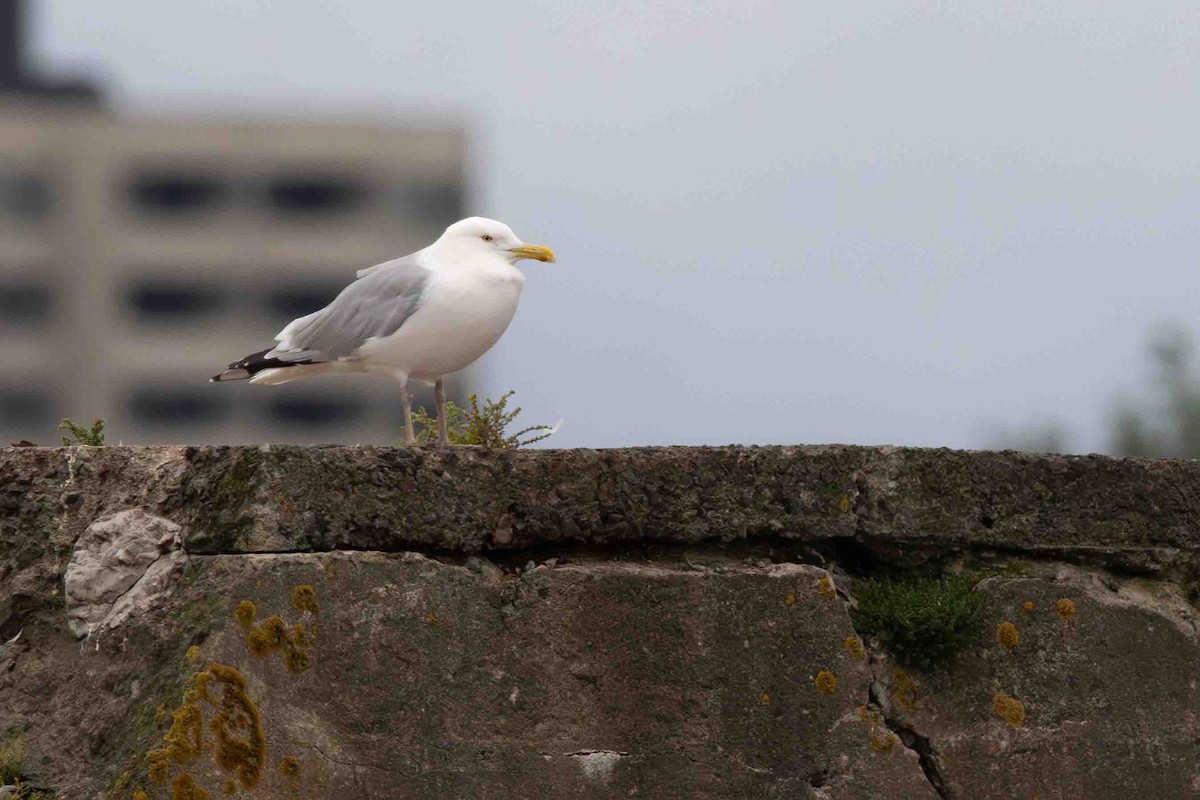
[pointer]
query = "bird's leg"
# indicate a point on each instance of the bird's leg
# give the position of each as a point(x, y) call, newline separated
point(406, 401)
point(439, 396)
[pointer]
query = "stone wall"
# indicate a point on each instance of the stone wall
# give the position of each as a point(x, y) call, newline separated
point(658, 622)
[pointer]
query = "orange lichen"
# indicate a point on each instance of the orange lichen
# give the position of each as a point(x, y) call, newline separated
point(184, 787)
point(138, 794)
point(304, 598)
point(862, 713)
point(1065, 609)
point(1006, 635)
point(765, 699)
point(906, 690)
point(1008, 709)
point(881, 744)
point(1029, 606)
point(825, 587)
point(241, 746)
point(245, 613)
point(853, 646)
point(290, 765)
point(826, 683)
point(193, 653)
point(790, 599)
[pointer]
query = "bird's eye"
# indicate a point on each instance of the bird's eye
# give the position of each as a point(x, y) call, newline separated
point(487, 237)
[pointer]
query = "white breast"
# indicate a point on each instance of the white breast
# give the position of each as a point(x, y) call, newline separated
point(461, 315)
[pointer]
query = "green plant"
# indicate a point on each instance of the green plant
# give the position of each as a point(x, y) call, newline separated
point(485, 427)
point(78, 435)
point(12, 760)
point(922, 621)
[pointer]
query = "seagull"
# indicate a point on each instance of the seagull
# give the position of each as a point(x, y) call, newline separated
point(419, 317)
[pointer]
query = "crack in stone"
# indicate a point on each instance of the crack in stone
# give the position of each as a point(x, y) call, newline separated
point(918, 743)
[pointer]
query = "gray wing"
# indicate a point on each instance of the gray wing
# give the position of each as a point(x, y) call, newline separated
point(374, 306)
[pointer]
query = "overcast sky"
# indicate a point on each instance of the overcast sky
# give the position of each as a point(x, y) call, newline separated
point(880, 222)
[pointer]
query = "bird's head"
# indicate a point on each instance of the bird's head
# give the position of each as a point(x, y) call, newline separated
point(479, 235)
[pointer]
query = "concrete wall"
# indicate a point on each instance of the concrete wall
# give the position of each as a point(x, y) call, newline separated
point(660, 622)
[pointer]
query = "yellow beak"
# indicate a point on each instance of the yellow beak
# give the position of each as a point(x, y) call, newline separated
point(533, 251)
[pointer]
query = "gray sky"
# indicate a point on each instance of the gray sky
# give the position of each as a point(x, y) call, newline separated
point(880, 222)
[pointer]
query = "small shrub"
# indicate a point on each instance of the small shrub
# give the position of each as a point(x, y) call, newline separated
point(922, 621)
point(78, 435)
point(483, 427)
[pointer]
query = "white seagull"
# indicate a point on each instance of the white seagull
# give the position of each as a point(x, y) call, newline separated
point(419, 317)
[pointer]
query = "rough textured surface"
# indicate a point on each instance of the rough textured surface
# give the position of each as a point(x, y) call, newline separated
point(121, 563)
point(645, 622)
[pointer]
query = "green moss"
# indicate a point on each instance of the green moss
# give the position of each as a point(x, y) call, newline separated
point(922, 621)
point(12, 760)
point(222, 486)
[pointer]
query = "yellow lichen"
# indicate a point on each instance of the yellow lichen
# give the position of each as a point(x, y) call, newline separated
point(276, 630)
point(906, 690)
point(184, 787)
point(826, 683)
point(1065, 609)
point(185, 738)
point(844, 504)
point(1006, 635)
point(825, 587)
point(790, 599)
point(1029, 606)
point(300, 637)
point(431, 618)
point(193, 653)
point(765, 699)
point(296, 660)
point(245, 613)
point(862, 713)
point(881, 744)
point(304, 598)
point(241, 746)
point(290, 765)
point(157, 767)
point(230, 786)
point(139, 794)
point(1008, 709)
point(853, 646)
point(258, 641)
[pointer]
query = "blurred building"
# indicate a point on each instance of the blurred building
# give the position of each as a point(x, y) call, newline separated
point(139, 256)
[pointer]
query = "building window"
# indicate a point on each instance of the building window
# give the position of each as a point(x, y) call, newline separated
point(26, 409)
point(169, 406)
point(313, 195)
point(24, 304)
point(24, 197)
point(155, 301)
point(309, 411)
point(176, 193)
point(291, 301)
point(435, 204)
